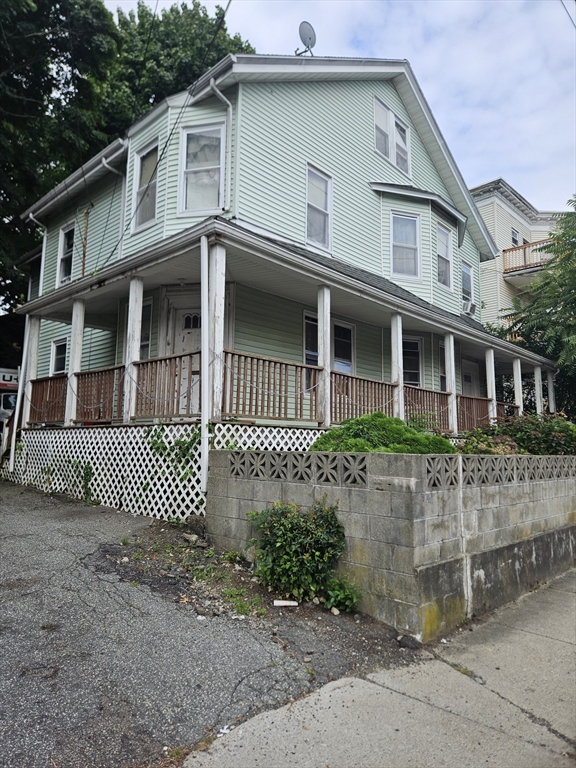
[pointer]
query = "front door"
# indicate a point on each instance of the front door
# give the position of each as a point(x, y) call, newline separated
point(470, 379)
point(187, 340)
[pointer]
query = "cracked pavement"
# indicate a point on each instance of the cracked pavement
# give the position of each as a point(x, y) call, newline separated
point(504, 695)
point(98, 672)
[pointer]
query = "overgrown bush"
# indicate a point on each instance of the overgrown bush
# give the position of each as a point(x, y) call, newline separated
point(376, 432)
point(530, 433)
point(341, 594)
point(297, 549)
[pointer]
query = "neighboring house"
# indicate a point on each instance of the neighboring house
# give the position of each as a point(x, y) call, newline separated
point(289, 243)
point(520, 233)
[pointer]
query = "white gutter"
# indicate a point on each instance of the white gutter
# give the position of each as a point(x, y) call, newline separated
point(43, 257)
point(225, 101)
point(122, 203)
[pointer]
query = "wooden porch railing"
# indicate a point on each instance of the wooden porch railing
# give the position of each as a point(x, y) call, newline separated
point(503, 410)
point(48, 400)
point(262, 387)
point(525, 256)
point(353, 396)
point(426, 406)
point(100, 394)
point(472, 412)
point(168, 386)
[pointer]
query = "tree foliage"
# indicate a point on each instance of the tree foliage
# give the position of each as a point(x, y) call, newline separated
point(544, 314)
point(71, 81)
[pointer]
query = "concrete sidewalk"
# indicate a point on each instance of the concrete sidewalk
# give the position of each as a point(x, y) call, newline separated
point(503, 695)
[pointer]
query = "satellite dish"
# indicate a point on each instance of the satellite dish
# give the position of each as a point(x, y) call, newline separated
point(308, 37)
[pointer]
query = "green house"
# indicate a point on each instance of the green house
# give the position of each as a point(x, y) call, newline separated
point(287, 244)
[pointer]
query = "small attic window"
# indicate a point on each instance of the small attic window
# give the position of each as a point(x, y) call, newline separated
point(191, 322)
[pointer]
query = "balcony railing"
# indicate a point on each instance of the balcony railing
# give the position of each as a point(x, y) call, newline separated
point(353, 396)
point(48, 400)
point(265, 388)
point(100, 395)
point(427, 407)
point(168, 387)
point(525, 256)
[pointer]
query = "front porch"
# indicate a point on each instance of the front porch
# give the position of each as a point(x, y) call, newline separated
point(255, 389)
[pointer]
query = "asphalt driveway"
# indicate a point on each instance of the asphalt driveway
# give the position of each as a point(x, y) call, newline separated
point(95, 671)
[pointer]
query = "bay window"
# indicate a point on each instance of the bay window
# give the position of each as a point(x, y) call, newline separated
point(201, 182)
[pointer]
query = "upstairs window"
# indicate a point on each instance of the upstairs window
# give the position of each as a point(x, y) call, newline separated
point(515, 238)
point(405, 256)
point(411, 359)
point(392, 136)
point(147, 164)
point(318, 209)
point(444, 256)
point(466, 283)
point(59, 356)
point(202, 169)
point(66, 255)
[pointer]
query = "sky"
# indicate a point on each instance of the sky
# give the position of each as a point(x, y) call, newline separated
point(499, 75)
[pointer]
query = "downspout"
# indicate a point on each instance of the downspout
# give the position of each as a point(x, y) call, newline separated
point(123, 206)
point(43, 259)
point(225, 101)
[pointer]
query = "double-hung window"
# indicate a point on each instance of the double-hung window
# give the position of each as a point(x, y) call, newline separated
point(59, 356)
point(392, 136)
point(318, 208)
point(202, 169)
point(342, 345)
point(66, 255)
point(147, 163)
point(515, 238)
point(466, 283)
point(444, 255)
point(405, 256)
point(411, 362)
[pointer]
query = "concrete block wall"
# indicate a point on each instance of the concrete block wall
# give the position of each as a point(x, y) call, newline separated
point(422, 532)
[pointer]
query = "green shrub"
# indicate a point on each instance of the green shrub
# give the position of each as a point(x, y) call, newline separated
point(530, 433)
point(297, 550)
point(342, 594)
point(378, 432)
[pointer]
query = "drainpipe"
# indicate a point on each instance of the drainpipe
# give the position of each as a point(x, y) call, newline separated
point(123, 206)
point(42, 260)
point(225, 101)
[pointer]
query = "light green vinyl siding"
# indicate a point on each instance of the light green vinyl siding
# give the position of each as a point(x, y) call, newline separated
point(271, 326)
point(121, 327)
point(49, 332)
point(97, 346)
point(102, 202)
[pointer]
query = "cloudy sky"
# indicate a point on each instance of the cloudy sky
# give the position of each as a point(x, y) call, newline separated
point(499, 75)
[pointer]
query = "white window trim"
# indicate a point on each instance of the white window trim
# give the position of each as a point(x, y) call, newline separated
point(55, 343)
point(471, 268)
point(401, 275)
point(420, 340)
point(392, 136)
point(517, 233)
point(441, 225)
point(324, 248)
point(138, 155)
point(63, 230)
point(184, 131)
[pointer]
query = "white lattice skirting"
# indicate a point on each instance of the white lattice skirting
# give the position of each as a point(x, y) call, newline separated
point(122, 469)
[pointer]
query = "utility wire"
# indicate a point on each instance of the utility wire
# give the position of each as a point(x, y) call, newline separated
point(569, 14)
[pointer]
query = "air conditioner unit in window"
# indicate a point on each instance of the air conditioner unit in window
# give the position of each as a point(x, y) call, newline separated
point(469, 308)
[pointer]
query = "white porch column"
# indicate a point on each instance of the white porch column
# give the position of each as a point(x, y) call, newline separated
point(74, 361)
point(217, 292)
point(19, 398)
point(205, 389)
point(450, 367)
point(31, 364)
point(491, 383)
point(518, 396)
point(551, 393)
point(132, 351)
point(324, 356)
point(538, 389)
point(397, 365)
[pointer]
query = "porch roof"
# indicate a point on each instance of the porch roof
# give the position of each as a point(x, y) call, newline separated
point(274, 265)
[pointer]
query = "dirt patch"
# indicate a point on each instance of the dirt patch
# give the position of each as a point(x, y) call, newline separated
point(176, 561)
